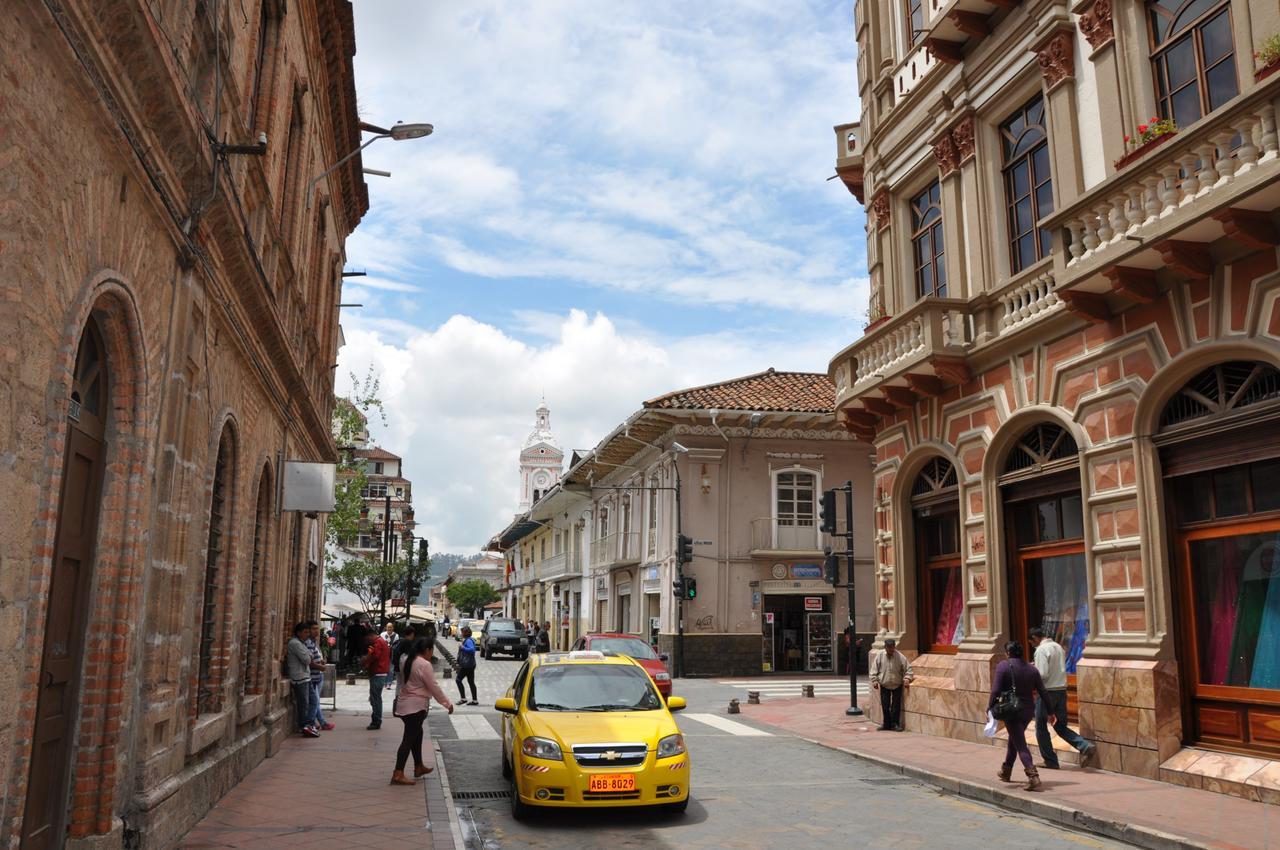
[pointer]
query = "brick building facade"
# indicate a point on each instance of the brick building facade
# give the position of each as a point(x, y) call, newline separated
point(169, 321)
point(1070, 372)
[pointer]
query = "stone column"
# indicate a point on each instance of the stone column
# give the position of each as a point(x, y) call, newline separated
point(944, 151)
point(1096, 25)
point(1055, 53)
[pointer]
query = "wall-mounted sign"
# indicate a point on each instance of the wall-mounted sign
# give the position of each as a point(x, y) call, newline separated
point(308, 487)
point(806, 571)
point(768, 616)
point(779, 571)
point(704, 543)
point(813, 603)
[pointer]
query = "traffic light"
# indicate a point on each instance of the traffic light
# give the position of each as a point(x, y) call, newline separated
point(831, 568)
point(828, 512)
point(684, 549)
point(690, 587)
point(412, 589)
point(677, 587)
point(423, 555)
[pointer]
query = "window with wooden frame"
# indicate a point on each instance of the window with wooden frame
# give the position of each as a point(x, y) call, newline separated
point(210, 668)
point(915, 21)
point(939, 577)
point(1044, 519)
point(1219, 444)
point(1192, 57)
point(250, 680)
point(1028, 183)
point(264, 56)
point(927, 248)
point(295, 144)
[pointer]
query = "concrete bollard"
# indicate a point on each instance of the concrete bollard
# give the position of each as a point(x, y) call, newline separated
point(351, 678)
point(806, 690)
point(733, 707)
point(753, 697)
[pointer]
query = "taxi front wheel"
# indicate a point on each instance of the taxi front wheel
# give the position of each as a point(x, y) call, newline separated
point(520, 810)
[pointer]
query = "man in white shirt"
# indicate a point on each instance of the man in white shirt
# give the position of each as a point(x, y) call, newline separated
point(1051, 661)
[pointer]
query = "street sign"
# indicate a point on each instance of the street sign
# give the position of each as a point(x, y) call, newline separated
point(813, 603)
point(768, 616)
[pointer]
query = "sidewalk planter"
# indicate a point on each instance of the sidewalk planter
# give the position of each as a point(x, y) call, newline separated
point(1138, 152)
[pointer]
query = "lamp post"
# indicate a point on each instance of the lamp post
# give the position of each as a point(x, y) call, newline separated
point(399, 132)
point(679, 665)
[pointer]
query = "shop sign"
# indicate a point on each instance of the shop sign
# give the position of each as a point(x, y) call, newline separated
point(813, 603)
point(806, 571)
point(810, 587)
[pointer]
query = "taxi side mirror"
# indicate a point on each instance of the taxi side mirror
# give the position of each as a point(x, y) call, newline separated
point(673, 704)
point(506, 705)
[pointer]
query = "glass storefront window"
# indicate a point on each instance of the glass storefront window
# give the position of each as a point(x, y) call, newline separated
point(1058, 601)
point(1236, 592)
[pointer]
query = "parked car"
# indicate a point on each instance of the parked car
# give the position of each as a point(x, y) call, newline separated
point(502, 634)
point(632, 646)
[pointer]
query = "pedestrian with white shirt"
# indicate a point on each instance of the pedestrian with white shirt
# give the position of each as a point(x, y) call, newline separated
point(1051, 661)
point(890, 673)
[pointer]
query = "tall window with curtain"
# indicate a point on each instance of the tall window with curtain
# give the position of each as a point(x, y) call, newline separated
point(1028, 183)
point(927, 247)
point(1192, 57)
point(935, 511)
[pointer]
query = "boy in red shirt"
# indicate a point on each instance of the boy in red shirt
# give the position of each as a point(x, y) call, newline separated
point(377, 661)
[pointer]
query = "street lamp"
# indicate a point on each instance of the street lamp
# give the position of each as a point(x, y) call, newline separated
point(679, 665)
point(399, 133)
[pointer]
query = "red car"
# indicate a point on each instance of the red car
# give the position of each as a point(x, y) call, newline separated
point(635, 647)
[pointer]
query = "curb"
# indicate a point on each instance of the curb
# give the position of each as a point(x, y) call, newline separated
point(1136, 834)
point(455, 826)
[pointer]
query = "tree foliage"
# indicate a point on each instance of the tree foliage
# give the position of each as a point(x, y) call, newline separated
point(365, 578)
point(471, 595)
point(350, 418)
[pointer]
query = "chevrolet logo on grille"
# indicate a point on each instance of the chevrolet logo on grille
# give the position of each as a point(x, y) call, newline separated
point(610, 755)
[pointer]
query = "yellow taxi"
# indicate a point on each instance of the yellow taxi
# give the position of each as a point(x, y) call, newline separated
point(585, 729)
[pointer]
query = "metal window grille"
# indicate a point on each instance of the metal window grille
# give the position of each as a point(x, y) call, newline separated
point(938, 474)
point(1040, 445)
point(206, 695)
point(1221, 389)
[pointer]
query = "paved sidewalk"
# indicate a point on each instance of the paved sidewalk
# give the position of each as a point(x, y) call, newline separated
point(1139, 811)
point(333, 792)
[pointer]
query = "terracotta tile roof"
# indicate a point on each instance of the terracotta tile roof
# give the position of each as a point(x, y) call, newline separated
point(376, 454)
point(796, 392)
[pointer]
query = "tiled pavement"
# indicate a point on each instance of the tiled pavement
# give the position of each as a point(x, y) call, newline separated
point(333, 792)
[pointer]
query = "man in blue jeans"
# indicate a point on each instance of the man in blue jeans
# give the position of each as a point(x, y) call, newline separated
point(1051, 661)
point(377, 662)
point(298, 666)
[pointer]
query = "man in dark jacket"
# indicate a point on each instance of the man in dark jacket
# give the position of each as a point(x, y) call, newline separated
point(543, 638)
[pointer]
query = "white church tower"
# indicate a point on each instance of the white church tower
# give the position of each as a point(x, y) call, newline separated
point(541, 459)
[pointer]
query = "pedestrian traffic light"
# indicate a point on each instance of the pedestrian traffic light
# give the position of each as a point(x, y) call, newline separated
point(677, 587)
point(828, 512)
point(684, 549)
point(831, 568)
point(690, 587)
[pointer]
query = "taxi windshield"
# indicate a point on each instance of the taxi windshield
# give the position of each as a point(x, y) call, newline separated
point(631, 646)
point(592, 687)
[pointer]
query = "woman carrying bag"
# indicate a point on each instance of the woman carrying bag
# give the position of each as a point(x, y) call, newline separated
point(1012, 687)
point(466, 667)
point(417, 687)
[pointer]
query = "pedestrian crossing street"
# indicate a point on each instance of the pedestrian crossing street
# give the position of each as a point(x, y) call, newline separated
point(825, 686)
point(477, 726)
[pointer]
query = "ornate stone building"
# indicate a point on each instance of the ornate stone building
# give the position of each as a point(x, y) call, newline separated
point(1071, 369)
point(170, 291)
point(541, 459)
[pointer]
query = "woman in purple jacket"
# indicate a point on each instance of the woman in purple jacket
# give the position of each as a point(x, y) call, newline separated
point(1024, 679)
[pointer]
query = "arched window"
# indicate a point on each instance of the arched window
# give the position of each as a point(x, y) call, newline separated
point(210, 668)
point(264, 57)
point(1028, 183)
point(1044, 515)
point(1219, 443)
point(927, 243)
point(1192, 56)
point(250, 680)
point(939, 577)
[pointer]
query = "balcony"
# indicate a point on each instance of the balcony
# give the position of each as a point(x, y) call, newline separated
point(951, 24)
point(849, 158)
point(557, 566)
point(783, 538)
point(1216, 178)
point(620, 549)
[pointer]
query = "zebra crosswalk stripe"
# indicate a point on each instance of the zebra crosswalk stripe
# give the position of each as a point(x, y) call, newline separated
point(730, 726)
point(473, 727)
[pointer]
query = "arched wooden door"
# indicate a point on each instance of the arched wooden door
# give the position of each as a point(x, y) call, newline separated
point(44, 819)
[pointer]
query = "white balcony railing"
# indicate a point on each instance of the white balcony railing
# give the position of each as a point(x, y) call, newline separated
point(556, 565)
point(770, 534)
point(616, 549)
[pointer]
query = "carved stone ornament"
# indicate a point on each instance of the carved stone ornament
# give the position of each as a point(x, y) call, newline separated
point(1095, 24)
point(945, 153)
point(962, 139)
point(1057, 57)
point(880, 209)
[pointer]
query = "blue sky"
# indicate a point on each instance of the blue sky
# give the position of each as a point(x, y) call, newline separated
point(620, 199)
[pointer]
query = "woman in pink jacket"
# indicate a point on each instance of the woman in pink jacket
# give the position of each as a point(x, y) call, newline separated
point(417, 686)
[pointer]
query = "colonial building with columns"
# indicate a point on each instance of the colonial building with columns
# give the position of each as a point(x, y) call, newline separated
point(1071, 371)
point(170, 290)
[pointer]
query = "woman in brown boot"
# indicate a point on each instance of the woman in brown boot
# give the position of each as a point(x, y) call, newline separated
point(417, 687)
point(1015, 674)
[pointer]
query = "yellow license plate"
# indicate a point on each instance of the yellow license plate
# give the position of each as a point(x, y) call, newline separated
point(612, 782)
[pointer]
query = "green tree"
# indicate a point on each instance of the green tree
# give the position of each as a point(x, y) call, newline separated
point(471, 595)
point(350, 421)
point(366, 578)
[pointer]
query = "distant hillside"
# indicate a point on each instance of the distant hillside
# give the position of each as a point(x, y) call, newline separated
point(440, 566)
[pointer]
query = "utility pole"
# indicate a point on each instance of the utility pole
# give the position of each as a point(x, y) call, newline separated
point(853, 709)
point(388, 555)
point(679, 665)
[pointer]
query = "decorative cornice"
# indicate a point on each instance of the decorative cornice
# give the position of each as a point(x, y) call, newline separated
point(1057, 57)
point(945, 153)
point(962, 139)
point(1096, 25)
point(763, 433)
point(880, 209)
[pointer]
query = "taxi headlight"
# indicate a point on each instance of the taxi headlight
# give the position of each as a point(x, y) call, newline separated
point(662, 677)
point(542, 748)
point(672, 745)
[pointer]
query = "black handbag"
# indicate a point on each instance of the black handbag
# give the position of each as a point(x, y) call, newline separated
point(1007, 705)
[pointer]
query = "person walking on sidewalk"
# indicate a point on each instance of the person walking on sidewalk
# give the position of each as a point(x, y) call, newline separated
point(544, 638)
point(1015, 674)
point(466, 667)
point(297, 664)
point(1051, 661)
point(377, 661)
point(393, 640)
point(890, 673)
point(417, 687)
